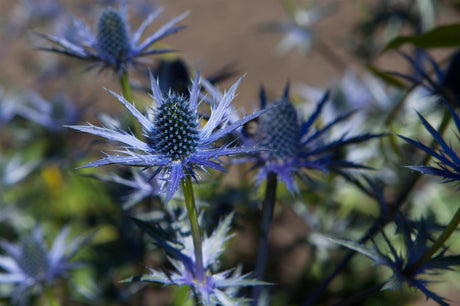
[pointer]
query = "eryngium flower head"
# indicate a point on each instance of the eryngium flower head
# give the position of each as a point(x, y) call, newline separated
point(176, 143)
point(113, 45)
point(29, 263)
point(291, 143)
point(217, 288)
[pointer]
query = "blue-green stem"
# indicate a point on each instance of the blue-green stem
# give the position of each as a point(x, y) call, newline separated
point(127, 94)
point(189, 196)
point(268, 206)
point(125, 87)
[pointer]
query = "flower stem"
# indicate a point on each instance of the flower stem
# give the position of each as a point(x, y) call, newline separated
point(125, 87)
point(438, 244)
point(127, 94)
point(194, 226)
point(51, 297)
point(268, 206)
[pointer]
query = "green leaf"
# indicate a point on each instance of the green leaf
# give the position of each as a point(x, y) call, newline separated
point(446, 36)
point(386, 77)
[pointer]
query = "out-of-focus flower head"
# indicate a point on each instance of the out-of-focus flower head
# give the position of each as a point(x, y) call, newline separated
point(217, 288)
point(292, 144)
point(139, 182)
point(13, 170)
point(299, 29)
point(113, 45)
point(52, 114)
point(7, 107)
point(31, 265)
point(351, 92)
point(176, 143)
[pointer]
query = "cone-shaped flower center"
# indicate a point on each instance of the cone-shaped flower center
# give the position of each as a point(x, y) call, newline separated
point(33, 259)
point(112, 36)
point(176, 128)
point(279, 130)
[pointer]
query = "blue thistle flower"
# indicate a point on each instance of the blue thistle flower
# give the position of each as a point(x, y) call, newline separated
point(293, 144)
point(30, 264)
point(113, 46)
point(218, 288)
point(447, 163)
point(176, 145)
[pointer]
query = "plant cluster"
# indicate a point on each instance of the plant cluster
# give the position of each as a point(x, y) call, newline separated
point(180, 198)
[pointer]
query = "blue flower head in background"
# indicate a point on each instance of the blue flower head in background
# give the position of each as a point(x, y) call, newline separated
point(176, 143)
point(299, 30)
point(30, 264)
point(292, 144)
point(113, 45)
point(218, 288)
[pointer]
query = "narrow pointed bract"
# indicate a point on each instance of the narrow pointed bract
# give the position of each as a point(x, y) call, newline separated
point(175, 145)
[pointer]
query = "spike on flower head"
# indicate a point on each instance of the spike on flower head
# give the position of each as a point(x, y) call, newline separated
point(112, 36)
point(176, 128)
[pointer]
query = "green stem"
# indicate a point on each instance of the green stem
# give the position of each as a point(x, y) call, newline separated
point(127, 94)
point(125, 87)
point(194, 226)
point(438, 244)
point(51, 297)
